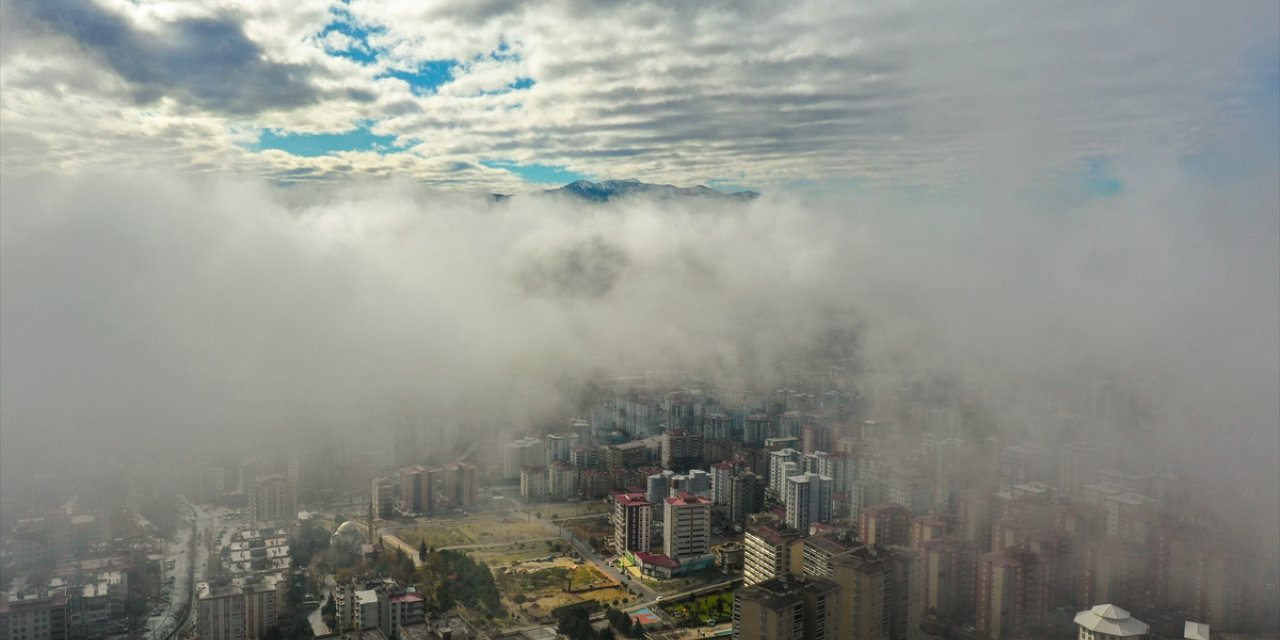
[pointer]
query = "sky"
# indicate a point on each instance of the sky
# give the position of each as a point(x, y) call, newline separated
point(219, 217)
point(506, 96)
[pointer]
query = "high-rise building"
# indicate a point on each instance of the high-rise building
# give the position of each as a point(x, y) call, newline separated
point(245, 610)
point(927, 527)
point(770, 551)
point(876, 593)
point(778, 461)
point(717, 426)
point(562, 480)
point(686, 527)
point(820, 549)
point(1026, 463)
point(696, 482)
point(756, 428)
point(885, 524)
point(533, 483)
point(947, 577)
point(680, 447)
point(787, 608)
point(1110, 571)
point(837, 466)
point(381, 494)
point(808, 499)
point(722, 474)
point(1011, 594)
point(632, 522)
point(558, 446)
point(273, 498)
point(973, 515)
point(585, 457)
point(37, 616)
point(418, 489)
point(746, 496)
point(516, 455)
point(911, 490)
point(460, 484)
point(220, 612)
point(658, 487)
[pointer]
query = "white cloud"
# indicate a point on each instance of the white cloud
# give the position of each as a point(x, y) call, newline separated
point(765, 93)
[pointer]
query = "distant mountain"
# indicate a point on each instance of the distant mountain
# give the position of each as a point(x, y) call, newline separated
point(615, 189)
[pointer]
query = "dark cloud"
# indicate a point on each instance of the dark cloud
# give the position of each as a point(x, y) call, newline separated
point(587, 268)
point(208, 62)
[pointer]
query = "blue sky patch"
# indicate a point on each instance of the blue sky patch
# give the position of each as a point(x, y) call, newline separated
point(342, 22)
point(428, 77)
point(1098, 180)
point(536, 173)
point(311, 145)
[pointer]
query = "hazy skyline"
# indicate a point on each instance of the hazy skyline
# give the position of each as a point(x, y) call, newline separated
point(224, 218)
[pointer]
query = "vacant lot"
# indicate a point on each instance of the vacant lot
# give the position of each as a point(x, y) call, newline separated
point(557, 510)
point(588, 528)
point(466, 532)
point(531, 589)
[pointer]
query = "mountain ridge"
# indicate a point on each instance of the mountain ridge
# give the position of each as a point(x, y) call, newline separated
point(609, 190)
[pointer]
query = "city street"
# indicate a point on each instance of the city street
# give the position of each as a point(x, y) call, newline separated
point(187, 570)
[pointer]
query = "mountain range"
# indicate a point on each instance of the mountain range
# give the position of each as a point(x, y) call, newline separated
point(616, 189)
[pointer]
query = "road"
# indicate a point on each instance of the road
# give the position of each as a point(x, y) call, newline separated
point(188, 556)
point(402, 545)
point(316, 618)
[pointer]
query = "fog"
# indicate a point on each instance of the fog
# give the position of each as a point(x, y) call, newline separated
point(158, 317)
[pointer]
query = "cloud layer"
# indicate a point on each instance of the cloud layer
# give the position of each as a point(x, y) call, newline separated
point(762, 94)
point(181, 313)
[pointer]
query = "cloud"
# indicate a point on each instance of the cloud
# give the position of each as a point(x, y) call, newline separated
point(208, 62)
point(762, 94)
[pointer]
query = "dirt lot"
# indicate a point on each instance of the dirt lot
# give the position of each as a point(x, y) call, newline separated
point(531, 589)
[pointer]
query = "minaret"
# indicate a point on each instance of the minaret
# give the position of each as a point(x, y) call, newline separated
point(373, 536)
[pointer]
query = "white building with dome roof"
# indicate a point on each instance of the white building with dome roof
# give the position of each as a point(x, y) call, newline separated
point(1109, 622)
point(348, 536)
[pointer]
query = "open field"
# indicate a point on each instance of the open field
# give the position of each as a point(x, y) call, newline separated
point(464, 532)
point(529, 552)
point(588, 528)
point(558, 510)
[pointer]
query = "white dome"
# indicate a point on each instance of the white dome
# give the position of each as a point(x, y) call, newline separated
point(348, 528)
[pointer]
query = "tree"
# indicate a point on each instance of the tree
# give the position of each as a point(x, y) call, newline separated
point(422, 549)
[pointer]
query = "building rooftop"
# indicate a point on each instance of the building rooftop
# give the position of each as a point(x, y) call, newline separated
point(1195, 631)
point(687, 499)
point(630, 500)
point(785, 590)
point(657, 560)
point(1111, 620)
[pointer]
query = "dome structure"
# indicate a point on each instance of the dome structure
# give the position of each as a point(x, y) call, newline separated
point(348, 535)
